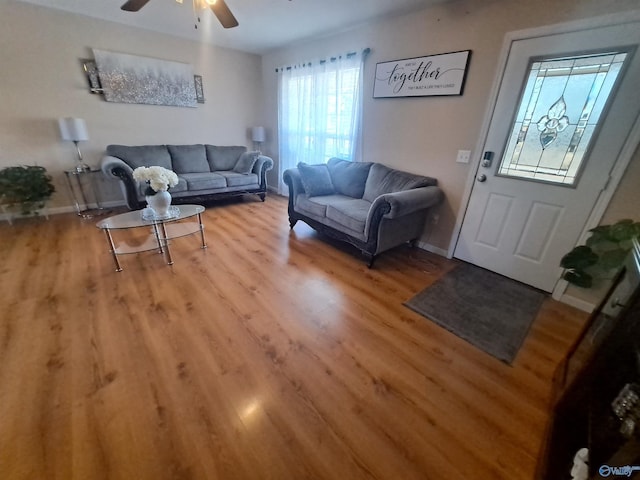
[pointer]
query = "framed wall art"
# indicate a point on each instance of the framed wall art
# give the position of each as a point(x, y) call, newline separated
point(91, 71)
point(433, 75)
point(134, 79)
point(197, 81)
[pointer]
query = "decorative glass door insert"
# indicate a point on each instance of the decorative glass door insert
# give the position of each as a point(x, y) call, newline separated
point(561, 105)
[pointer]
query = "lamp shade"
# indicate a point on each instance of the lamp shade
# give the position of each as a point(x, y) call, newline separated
point(258, 134)
point(73, 129)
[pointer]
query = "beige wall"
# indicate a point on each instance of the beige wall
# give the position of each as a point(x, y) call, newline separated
point(626, 200)
point(41, 79)
point(624, 204)
point(423, 135)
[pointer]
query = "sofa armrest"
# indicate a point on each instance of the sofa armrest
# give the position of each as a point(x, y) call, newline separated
point(262, 163)
point(114, 167)
point(408, 201)
point(292, 178)
point(110, 166)
point(261, 167)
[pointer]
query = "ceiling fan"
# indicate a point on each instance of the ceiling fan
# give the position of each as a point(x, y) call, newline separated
point(218, 7)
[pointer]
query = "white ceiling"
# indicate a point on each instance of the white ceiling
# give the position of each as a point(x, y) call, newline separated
point(264, 24)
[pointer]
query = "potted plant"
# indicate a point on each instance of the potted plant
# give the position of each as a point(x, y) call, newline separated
point(27, 186)
point(603, 254)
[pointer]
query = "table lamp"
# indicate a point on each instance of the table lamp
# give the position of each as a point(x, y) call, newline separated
point(75, 130)
point(258, 135)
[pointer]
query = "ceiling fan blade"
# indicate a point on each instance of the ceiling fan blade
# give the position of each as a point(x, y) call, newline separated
point(133, 5)
point(223, 13)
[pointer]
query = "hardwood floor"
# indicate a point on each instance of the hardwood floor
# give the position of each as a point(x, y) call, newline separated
point(270, 355)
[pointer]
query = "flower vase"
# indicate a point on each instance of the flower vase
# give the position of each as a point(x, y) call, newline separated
point(159, 203)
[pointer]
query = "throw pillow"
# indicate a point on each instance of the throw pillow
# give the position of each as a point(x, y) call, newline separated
point(316, 179)
point(349, 178)
point(246, 162)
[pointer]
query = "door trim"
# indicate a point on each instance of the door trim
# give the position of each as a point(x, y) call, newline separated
point(621, 162)
point(626, 154)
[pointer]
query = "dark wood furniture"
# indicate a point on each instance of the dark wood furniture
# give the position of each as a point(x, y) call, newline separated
point(604, 359)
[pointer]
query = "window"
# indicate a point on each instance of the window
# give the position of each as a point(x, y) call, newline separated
point(319, 111)
point(559, 111)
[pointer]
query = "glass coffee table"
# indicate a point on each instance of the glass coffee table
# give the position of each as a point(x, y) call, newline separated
point(163, 230)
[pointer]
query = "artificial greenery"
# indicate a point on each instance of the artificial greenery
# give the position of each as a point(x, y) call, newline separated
point(28, 186)
point(604, 252)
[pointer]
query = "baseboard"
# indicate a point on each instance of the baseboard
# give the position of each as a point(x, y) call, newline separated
point(114, 204)
point(71, 208)
point(431, 248)
point(59, 210)
point(578, 303)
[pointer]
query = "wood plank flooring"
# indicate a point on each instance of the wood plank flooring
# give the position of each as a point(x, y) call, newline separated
point(272, 354)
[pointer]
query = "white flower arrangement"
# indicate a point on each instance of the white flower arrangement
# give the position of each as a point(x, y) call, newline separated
point(158, 179)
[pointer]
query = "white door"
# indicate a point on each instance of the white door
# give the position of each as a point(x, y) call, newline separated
point(563, 112)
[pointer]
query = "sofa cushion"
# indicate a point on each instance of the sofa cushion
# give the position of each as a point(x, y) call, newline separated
point(223, 158)
point(316, 179)
point(383, 179)
point(180, 187)
point(318, 205)
point(188, 158)
point(351, 214)
point(246, 162)
point(349, 178)
point(204, 181)
point(142, 156)
point(235, 179)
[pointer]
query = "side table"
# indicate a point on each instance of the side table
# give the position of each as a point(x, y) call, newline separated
point(83, 191)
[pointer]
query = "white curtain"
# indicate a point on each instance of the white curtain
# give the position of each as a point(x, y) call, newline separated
point(319, 111)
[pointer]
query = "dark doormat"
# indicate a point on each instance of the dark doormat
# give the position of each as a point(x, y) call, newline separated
point(489, 311)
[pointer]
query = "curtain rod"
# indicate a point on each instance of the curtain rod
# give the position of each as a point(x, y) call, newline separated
point(365, 52)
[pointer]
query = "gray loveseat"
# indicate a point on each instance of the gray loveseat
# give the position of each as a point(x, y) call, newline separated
point(369, 205)
point(204, 171)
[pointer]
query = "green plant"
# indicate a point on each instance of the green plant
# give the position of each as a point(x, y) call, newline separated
point(604, 252)
point(28, 186)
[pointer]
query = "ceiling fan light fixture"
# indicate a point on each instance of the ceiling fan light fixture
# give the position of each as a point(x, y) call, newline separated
point(218, 7)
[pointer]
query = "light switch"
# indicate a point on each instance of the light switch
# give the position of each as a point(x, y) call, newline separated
point(463, 156)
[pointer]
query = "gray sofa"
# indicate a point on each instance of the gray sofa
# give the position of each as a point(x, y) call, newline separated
point(369, 205)
point(205, 172)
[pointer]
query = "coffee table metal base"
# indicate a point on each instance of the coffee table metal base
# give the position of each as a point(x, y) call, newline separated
point(163, 232)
